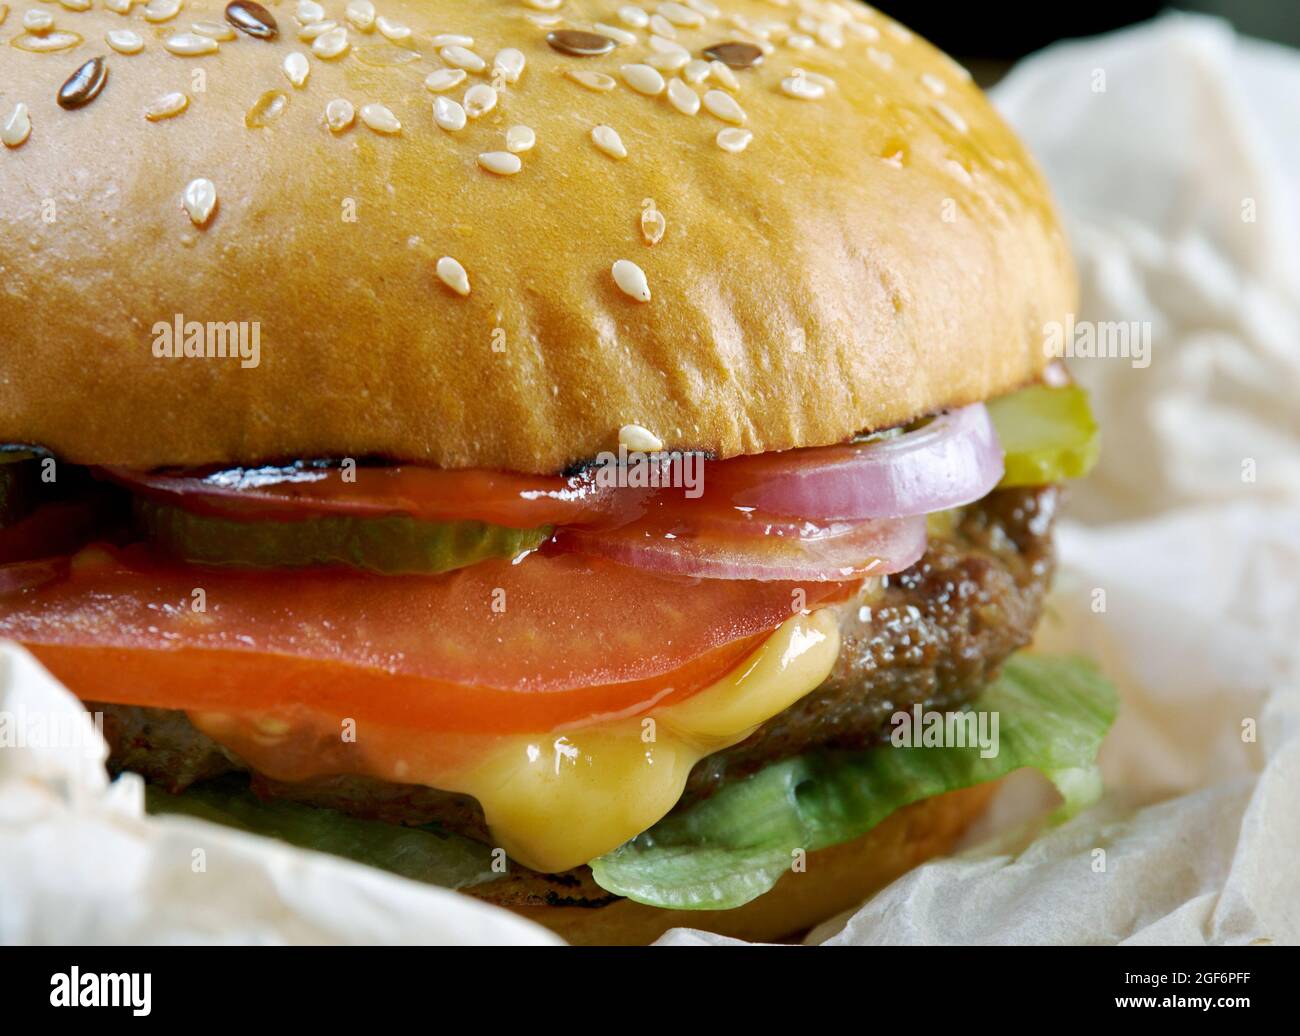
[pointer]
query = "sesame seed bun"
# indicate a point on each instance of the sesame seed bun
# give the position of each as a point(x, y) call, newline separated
point(881, 247)
point(835, 880)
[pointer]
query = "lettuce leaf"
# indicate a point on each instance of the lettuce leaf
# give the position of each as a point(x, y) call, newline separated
point(723, 852)
point(426, 854)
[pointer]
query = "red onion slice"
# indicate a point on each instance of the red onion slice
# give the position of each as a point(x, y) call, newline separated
point(764, 550)
point(953, 460)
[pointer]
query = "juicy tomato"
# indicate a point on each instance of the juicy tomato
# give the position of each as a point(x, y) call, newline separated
point(299, 490)
point(57, 528)
point(494, 648)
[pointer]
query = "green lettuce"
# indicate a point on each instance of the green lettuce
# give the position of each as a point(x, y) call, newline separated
point(426, 854)
point(723, 852)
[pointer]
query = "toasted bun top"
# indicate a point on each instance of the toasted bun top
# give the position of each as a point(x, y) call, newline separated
point(880, 251)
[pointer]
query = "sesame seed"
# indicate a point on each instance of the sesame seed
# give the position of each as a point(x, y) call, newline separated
point(479, 100)
point(669, 61)
point(616, 34)
point(638, 439)
point(253, 19)
point(38, 21)
point(75, 5)
point(705, 7)
point(199, 199)
point(661, 26)
point(830, 35)
point(800, 41)
point(297, 68)
point(864, 31)
point(161, 10)
point(450, 39)
point(445, 79)
point(934, 84)
point(503, 163)
point(166, 106)
point(734, 54)
point(723, 74)
point(215, 30)
point(452, 274)
point(899, 32)
point(880, 58)
point(313, 29)
point(339, 114)
point(332, 44)
point(509, 64)
point(46, 44)
point(724, 107)
point(633, 16)
point(520, 139)
point(189, 45)
point(124, 41)
point(266, 109)
point(696, 71)
point(116, 6)
point(449, 114)
point(596, 81)
point(607, 139)
point(360, 15)
point(800, 86)
point(380, 119)
point(310, 11)
point(84, 85)
point(683, 98)
point(950, 116)
point(631, 280)
point(17, 126)
point(391, 30)
point(733, 139)
point(462, 57)
point(663, 45)
point(653, 225)
point(679, 14)
point(579, 44)
point(544, 5)
point(643, 79)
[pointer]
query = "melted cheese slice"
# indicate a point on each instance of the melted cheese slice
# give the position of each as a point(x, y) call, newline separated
point(556, 800)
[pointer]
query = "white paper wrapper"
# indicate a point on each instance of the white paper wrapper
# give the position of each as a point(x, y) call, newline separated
point(1200, 568)
point(81, 863)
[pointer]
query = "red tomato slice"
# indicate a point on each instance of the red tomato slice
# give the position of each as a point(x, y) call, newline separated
point(494, 648)
point(434, 494)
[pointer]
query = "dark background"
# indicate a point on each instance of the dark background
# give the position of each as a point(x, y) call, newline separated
point(988, 37)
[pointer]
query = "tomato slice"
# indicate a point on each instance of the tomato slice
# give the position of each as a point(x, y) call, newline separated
point(302, 490)
point(494, 648)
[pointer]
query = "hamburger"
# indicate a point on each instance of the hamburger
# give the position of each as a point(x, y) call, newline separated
point(598, 457)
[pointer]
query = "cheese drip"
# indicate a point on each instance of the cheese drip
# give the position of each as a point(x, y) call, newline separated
point(556, 800)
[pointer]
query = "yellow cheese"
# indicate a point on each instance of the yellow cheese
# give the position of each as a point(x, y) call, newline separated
point(556, 800)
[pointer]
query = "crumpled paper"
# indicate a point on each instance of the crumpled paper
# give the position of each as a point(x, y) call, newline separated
point(81, 863)
point(1190, 525)
point(1197, 552)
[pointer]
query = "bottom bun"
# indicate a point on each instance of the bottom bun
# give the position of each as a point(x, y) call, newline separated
point(836, 879)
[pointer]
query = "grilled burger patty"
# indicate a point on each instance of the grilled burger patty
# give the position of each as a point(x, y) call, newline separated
point(931, 635)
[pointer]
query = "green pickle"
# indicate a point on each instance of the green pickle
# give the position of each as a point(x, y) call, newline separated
point(19, 487)
point(395, 545)
point(1048, 434)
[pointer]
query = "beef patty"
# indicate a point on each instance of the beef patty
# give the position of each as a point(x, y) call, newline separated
point(932, 635)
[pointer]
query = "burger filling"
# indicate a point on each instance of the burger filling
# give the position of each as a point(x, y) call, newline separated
point(678, 679)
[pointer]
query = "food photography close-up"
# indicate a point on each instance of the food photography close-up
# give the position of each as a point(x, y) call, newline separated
point(708, 474)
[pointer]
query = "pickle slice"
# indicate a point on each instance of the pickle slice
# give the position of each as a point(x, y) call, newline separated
point(19, 484)
point(1048, 434)
point(395, 545)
